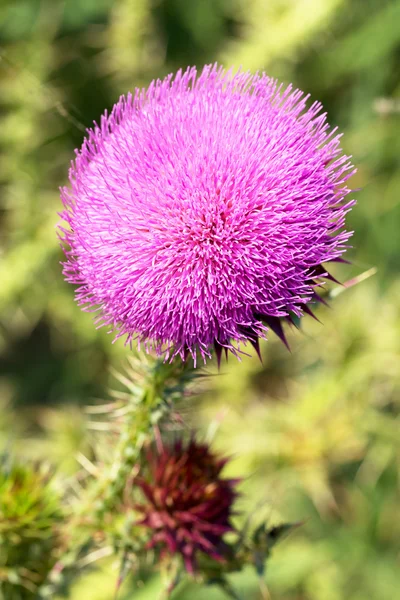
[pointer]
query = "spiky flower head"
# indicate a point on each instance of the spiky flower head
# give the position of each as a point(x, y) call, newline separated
point(30, 522)
point(187, 505)
point(201, 210)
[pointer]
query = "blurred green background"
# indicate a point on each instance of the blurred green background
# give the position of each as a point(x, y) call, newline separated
point(315, 432)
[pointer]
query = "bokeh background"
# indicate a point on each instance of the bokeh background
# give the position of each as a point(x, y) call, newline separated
point(315, 432)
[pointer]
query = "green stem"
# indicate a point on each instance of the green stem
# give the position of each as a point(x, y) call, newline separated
point(154, 387)
point(162, 384)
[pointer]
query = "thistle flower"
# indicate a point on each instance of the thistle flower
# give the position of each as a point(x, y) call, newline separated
point(187, 505)
point(30, 522)
point(201, 210)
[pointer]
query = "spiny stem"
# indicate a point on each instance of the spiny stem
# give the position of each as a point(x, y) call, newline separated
point(152, 389)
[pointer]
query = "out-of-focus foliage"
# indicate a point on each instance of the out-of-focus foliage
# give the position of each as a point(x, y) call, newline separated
point(316, 432)
point(323, 443)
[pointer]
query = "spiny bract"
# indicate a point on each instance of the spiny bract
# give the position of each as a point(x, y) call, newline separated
point(200, 211)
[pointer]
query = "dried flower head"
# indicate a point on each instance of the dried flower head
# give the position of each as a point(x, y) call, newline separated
point(201, 210)
point(187, 505)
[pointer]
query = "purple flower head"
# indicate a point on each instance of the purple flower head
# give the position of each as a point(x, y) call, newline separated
point(187, 504)
point(201, 210)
